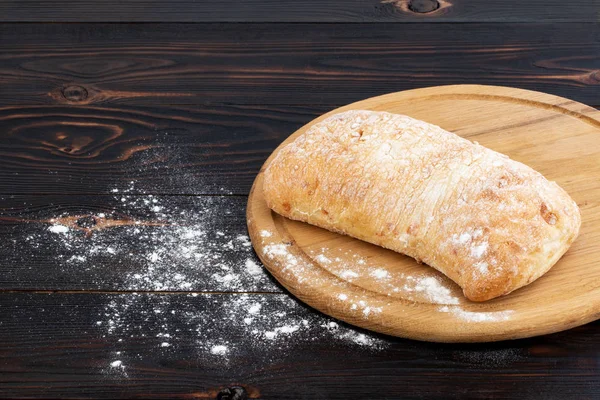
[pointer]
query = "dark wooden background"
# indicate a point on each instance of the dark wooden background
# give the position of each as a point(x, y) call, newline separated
point(187, 99)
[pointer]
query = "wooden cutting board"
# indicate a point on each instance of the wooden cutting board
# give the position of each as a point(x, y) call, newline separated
point(387, 292)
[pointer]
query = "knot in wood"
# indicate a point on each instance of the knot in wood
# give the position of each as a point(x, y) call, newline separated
point(423, 6)
point(86, 222)
point(75, 93)
point(233, 393)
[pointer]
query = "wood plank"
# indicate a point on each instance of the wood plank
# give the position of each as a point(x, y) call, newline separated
point(192, 346)
point(299, 11)
point(199, 150)
point(314, 64)
point(128, 242)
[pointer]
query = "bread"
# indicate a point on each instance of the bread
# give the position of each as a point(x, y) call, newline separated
point(489, 223)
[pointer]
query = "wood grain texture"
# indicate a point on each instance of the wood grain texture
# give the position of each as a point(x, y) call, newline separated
point(52, 345)
point(311, 64)
point(126, 242)
point(390, 293)
point(300, 11)
point(198, 150)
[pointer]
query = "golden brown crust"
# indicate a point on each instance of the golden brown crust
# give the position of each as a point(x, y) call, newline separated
point(489, 223)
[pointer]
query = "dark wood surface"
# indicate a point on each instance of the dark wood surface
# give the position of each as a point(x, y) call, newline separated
point(95, 149)
point(307, 64)
point(52, 345)
point(126, 155)
point(299, 11)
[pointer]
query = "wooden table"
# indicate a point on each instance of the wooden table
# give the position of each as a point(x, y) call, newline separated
point(127, 153)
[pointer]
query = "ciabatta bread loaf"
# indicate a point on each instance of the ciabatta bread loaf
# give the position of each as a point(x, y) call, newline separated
point(489, 223)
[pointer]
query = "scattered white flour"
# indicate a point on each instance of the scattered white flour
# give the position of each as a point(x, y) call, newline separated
point(394, 283)
point(379, 273)
point(322, 259)
point(368, 310)
point(270, 335)
point(157, 243)
point(58, 229)
point(274, 250)
point(432, 289)
point(286, 330)
point(183, 244)
point(116, 367)
point(348, 274)
point(253, 268)
point(255, 308)
point(219, 350)
point(221, 328)
point(474, 316)
point(464, 238)
point(477, 251)
point(482, 267)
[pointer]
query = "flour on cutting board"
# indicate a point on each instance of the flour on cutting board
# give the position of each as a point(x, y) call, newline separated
point(353, 267)
point(427, 287)
point(472, 316)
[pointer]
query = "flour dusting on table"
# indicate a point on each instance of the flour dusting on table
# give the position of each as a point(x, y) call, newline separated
point(221, 328)
point(158, 243)
point(168, 244)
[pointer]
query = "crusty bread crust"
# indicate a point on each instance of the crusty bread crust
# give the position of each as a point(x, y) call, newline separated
point(489, 223)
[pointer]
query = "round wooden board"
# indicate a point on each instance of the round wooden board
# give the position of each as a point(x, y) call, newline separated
point(387, 292)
